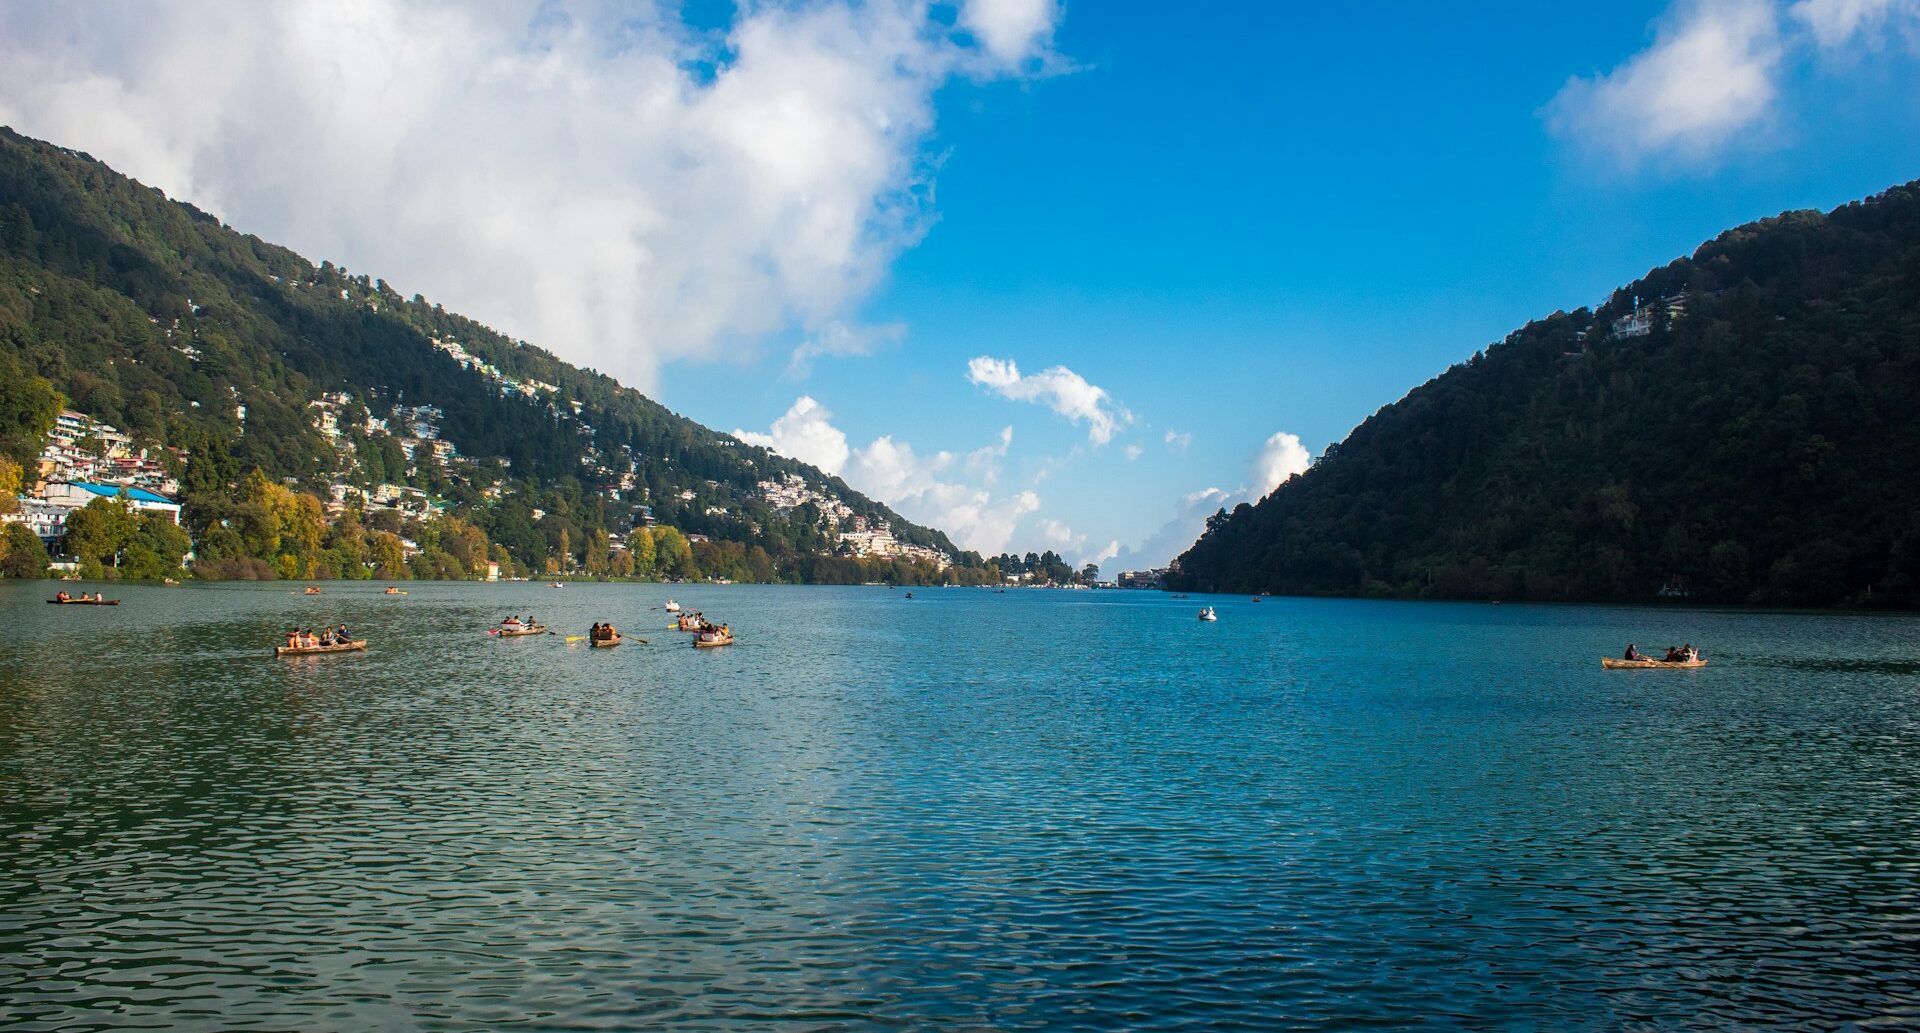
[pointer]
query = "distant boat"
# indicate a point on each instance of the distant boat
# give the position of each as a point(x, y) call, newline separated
point(311, 590)
point(84, 602)
point(394, 591)
point(1613, 664)
point(554, 584)
point(672, 607)
point(1207, 614)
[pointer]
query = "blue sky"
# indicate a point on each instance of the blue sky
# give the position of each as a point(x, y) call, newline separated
point(1188, 230)
point(1263, 220)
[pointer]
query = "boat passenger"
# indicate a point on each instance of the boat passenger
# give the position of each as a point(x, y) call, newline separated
point(62, 596)
point(1673, 655)
point(340, 635)
point(1634, 654)
point(1688, 653)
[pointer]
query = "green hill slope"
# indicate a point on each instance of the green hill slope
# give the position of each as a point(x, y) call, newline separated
point(150, 315)
point(1749, 434)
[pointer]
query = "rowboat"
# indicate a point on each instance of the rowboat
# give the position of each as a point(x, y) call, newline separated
point(84, 602)
point(311, 590)
point(356, 646)
point(1207, 614)
point(537, 629)
point(672, 607)
point(393, 591)
point(716, 643)
point(606, 643)
point(1612, 664)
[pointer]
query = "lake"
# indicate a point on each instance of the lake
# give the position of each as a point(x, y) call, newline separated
point(967, 810)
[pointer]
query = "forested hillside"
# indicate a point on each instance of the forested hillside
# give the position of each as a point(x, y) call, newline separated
point(1741, 426)
point(151, 315)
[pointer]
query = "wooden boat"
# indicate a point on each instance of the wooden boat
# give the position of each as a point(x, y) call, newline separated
point(84, 602)
point(393, 591)
point(356, 646)
point(311, 590)
point(606, 643)
point(724, 640)
point(506, 632)
point(1613, 664)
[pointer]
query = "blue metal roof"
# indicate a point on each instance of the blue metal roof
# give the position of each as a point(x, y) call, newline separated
point(114, 490)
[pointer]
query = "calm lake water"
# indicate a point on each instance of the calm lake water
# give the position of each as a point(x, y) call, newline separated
point(963, 811)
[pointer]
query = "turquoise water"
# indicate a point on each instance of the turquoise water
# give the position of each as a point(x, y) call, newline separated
point(964, 811)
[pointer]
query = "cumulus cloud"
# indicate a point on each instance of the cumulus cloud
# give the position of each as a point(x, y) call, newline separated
point(596, 177)
point(1012, 31)
point(1173, 537)
point(1709, 74)
point(1057, 388)
point(945, 490)
point(805, 432)
point(1280, 458)
point(1072, 545)
point(1178, 441)
point(1836, 23)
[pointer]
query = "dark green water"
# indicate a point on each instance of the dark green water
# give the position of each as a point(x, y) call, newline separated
point(965, 811)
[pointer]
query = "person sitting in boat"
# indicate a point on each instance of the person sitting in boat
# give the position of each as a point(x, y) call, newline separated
point(62, 596)
point(1688, 654)
point(1673, 655)
point(340, 635)
point(1634, 654)
point(511, 624)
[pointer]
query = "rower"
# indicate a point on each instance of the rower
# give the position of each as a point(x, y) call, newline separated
point(1632, 653)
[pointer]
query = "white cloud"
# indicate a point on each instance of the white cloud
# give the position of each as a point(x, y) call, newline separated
point(1057, 388)
point(595, 177)
point(805, 432)
point(1178, 441)
point(1132, 452)
point(1280, 458)
point(1013, 31)
point(1835, 23)
point(944, 490)
point(1173, 537)
point(1073, 546)
point(1709, 75)
point(840, 339)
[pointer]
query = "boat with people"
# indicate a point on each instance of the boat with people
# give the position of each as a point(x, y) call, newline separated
point(393, 591)
point(554, 584)
point(1677, 658)
point(311, 590)
point(672, 607)
point(1207, 614)
point(603, 636)
point(714, 638)
point(1616, 664)
point(358, 645)
point(519, 630)
point(63, 599)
